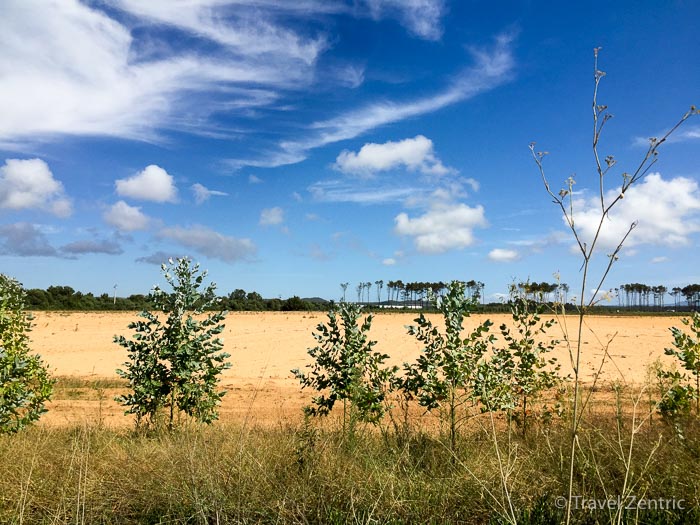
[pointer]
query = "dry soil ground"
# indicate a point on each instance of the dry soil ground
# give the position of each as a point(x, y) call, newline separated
point(264, 347)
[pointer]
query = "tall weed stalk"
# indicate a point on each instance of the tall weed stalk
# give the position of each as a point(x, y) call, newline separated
point(589, 248)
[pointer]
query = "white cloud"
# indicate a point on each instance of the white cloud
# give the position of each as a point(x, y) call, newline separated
point(389, 261)
point(89, 74)
point(684, 134)
point(341, 191)
point(317, 253)
point(202, 193)
point(252, 179)
point(151, 184)
point(421, 17)
point(349, 75)
point(106, 68)
point(126, 218)
point(443, 227)
point(472, 183)
point(659, 260)
point(667, 211)
point(239, 28)
point(210, 243)
point(159, 258)
point(89, 246)
point(24, 240)
point(271, 216)
point(415, 154)
point(29, 184)
point(491, 68)
point(503, 255)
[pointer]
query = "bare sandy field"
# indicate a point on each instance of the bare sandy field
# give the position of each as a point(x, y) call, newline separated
point(264, 347)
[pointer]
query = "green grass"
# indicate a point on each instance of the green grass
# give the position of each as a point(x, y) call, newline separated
point(231, 474)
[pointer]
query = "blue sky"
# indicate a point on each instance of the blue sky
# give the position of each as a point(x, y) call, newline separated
point(291, 146)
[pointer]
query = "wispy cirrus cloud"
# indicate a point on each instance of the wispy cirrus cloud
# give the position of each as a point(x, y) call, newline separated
point(421, 17)
point(89, 74)
point(344, 191)
point(92, 74)
point(684, 134)
point(202, 194)
point(491, 68)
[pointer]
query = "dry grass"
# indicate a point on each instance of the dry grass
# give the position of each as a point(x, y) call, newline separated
point(231, 473)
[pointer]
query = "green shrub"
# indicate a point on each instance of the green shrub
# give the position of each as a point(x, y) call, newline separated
point(175, 365)
point(442, 376)
point(346, 368)
point(24, 379)
point(682, 390)
point(519, 371)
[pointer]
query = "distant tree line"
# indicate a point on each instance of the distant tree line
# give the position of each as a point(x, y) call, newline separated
point(66, 298)
point(407, 295)
point(392, 294)
point(643, 296)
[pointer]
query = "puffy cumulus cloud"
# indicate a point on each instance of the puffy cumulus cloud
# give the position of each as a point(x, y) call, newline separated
point(25, 240)
point(667, 213)
point(29, 184)
point(210, 243)
point(151, 184)
point(423, 18)
point(202, 193)
point(443, 227)
point(271, 216)
point(106, 247)
point(416, 154)
point(503, 255)
point(126, 218)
